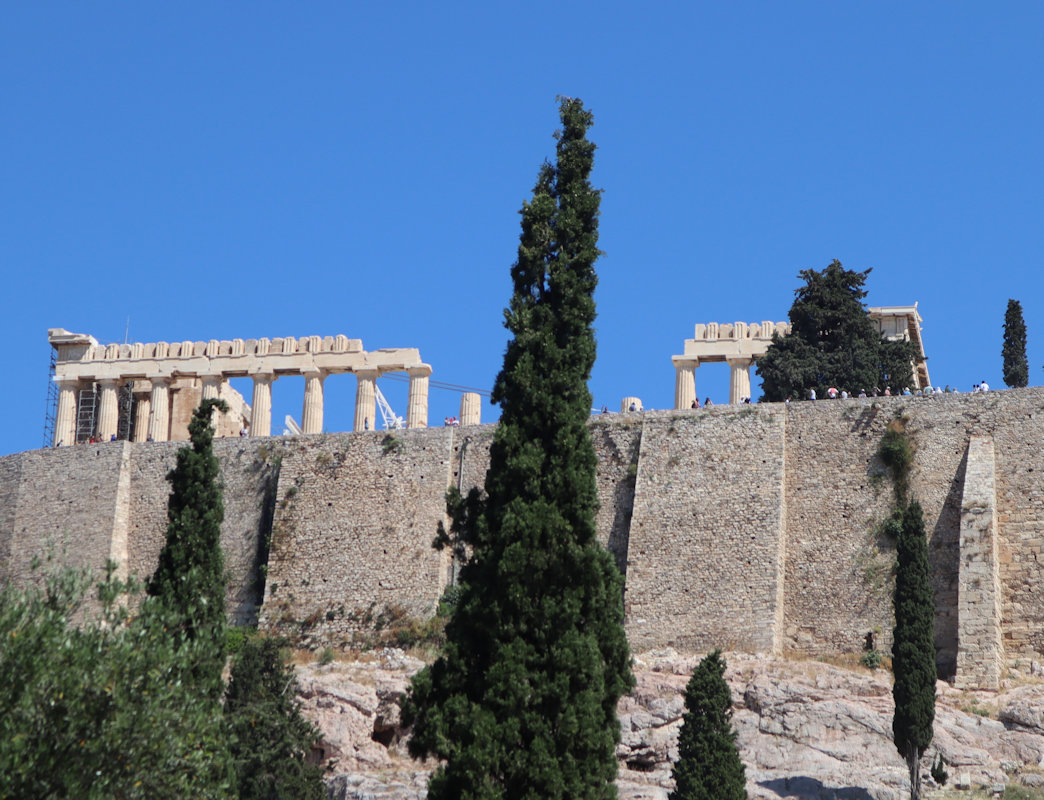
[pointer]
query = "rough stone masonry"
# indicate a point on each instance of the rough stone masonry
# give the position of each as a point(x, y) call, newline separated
point(752, 528)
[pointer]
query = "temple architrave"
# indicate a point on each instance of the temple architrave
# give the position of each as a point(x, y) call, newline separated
point(147, 392)
point(741, 344)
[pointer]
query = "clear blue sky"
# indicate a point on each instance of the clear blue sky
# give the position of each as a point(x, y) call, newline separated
point(220, 170)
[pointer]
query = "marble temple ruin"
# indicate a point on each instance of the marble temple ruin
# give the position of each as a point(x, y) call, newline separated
point(147, 392)
point(741, 344)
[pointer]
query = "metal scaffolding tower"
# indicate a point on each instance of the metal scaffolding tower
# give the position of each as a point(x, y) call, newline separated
point(51, 409)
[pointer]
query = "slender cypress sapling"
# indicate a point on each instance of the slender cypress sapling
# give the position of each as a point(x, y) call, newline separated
point(913, 648)
point(190, 578)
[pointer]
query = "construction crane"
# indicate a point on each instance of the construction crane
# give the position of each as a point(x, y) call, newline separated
point(391, 421)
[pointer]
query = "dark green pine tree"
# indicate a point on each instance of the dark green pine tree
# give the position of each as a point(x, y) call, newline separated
point(913, 648)
point(708, 766)
point(522, 702)
point(832, 342)
point(269, 740)
point(1016, 367)
point(190, 579)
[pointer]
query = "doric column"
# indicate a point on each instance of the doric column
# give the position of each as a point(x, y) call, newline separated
point(261, 405)
point(470, 408)
point(65, 419)
point(684, 382)
point(211, 386)
point(312, 414)
point(417, 408)
point(141, 417)
point(365, 399)
point(627, 402)
point(739, 386)
point(108, 410)
point(159, 410)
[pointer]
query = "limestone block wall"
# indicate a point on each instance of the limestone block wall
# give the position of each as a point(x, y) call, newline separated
point(63, 504)
point(838, 568)
point(354, 520)
point(751, 527)
point(249, 470)
point(706, 541)
point(89, 503)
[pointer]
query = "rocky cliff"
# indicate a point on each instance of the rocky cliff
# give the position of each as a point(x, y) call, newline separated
point(805, 729)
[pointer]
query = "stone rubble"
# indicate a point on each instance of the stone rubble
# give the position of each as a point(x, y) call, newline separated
point(805, 730)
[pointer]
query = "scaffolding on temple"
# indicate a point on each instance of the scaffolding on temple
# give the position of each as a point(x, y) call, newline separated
point(86, 413)
point(51, 409)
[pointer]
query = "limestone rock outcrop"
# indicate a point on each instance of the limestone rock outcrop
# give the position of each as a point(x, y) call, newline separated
point(805, 729)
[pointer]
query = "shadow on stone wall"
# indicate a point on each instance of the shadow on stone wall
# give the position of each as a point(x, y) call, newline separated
point(267, 483)
point(944, 548)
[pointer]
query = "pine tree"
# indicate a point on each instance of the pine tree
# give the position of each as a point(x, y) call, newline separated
point(1016, 367)
point(708, 766)
point(913, 648)
point(269, 739)
point(190, 578)
point(832, 342)
point(522, 702)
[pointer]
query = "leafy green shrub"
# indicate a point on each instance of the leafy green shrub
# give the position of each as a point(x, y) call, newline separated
point(871, 659)
point(236, 637)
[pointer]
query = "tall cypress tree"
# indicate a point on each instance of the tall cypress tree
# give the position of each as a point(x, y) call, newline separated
point(1016, 368)
point(522, 702)
point(708, 766)
point(832, 342)
point(190, 578)
point(913, 647)
point(269, 740)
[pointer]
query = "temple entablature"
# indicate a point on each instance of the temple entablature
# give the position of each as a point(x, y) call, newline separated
point(130, 390)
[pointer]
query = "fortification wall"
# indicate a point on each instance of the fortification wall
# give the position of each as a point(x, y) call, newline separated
point(87, 504)
point(706, 539)
point(751, 527)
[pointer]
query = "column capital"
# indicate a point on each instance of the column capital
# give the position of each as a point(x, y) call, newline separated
point(740, 361)
point(367, 373)
point(685, 362)
point(263, 376)
point(419, 371)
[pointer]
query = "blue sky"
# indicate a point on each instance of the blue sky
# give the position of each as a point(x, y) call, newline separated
point(221, 170)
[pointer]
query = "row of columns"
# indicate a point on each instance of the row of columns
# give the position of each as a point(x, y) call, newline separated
point(685, 379)
point(152, 420)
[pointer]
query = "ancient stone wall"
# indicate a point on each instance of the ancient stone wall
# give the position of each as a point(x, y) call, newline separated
point(351, 540)
point(708, 503)
point(86, 504)
point(753, 527)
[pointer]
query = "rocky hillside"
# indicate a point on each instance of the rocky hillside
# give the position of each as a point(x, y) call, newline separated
point(806, 729)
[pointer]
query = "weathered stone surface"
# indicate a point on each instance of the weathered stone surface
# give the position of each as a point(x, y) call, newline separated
point(754, 528)
point(806, 730)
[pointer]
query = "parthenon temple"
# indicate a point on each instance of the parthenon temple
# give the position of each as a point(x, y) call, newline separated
point(147, 392)
point(741, 344)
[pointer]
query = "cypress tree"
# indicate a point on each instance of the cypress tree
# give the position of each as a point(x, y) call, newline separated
point(832, 342)
point(189, 581)
point(522, 702)
point(913, 648)
point(269, 739)
point(1016, 367)
point(708, 766)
